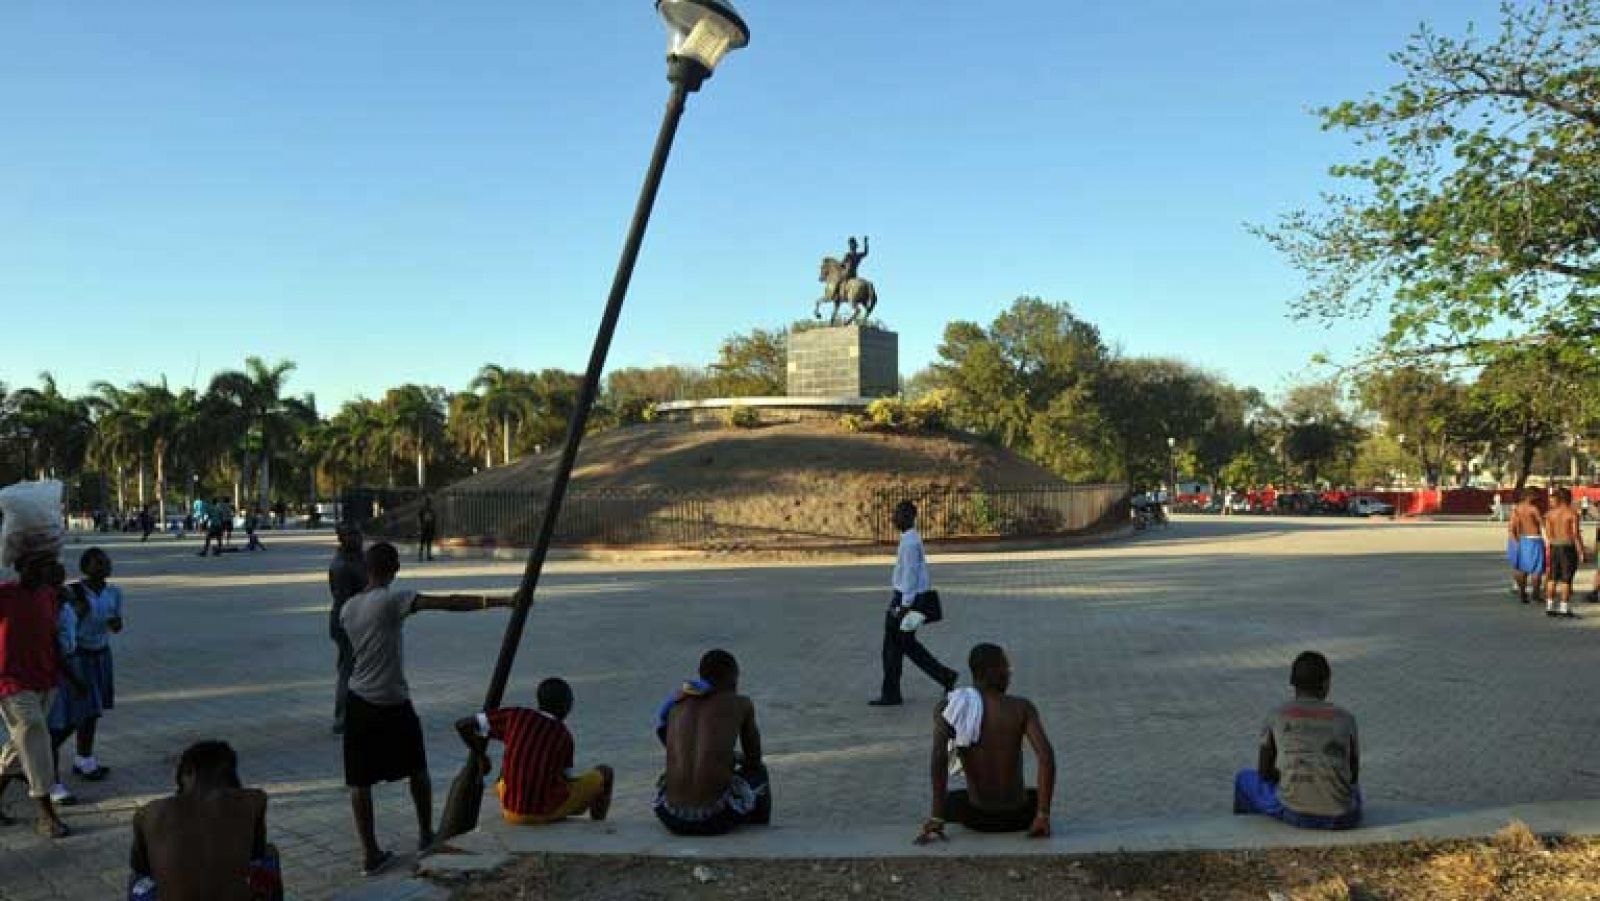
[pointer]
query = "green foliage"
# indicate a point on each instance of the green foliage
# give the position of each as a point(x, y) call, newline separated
point(854, 422)
point(1420, 404)
point(749, 365)
point(1472, 218)
point(1029, 382)
point(1530, 396)
point(740, 416)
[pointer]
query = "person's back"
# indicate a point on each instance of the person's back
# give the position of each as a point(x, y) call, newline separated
point(708, 789)
point(1315, 740)
point(200, 846)
point(208, 842)
point(994, 765)
point(1309, 763)
point(701, 735)
point(986, 727)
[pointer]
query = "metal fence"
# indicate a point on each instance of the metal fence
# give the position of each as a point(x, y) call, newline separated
point(675, 520)
point(1038, 511)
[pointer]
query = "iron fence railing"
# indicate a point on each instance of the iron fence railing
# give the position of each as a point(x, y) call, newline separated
point(1038, 511)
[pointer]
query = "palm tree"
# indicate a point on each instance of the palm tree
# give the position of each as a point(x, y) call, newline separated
point(116, 436)
point(165, 420)
point(471, 426)
point(55, 428)
point(418, 420)
point(505, 398)
point(257, 393)
point(355, 437)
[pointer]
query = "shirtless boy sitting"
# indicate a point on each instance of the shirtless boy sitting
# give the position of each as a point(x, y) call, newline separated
point(708, 789)
point(986, 727)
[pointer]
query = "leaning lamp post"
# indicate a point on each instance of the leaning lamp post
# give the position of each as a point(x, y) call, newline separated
point(700, 33)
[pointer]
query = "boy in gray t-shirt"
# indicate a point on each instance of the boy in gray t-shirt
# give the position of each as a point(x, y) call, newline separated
point(1309, 765)
point(382, 735)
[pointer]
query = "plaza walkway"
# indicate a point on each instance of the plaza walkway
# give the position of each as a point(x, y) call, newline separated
point(1152, 661)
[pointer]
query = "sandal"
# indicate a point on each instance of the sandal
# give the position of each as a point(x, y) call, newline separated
point(375, 865)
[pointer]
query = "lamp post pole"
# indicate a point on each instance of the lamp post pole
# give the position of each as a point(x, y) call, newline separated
point(701, 32)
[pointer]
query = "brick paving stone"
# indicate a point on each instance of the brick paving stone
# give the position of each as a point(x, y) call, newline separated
point(1152, 661)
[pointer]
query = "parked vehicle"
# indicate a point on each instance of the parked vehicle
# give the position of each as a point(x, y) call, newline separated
point(1370, 506)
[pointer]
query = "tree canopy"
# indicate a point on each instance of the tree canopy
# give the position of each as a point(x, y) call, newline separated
point(1473, 217)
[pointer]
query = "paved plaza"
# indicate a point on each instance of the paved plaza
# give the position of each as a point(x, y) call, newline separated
point(1152, 660)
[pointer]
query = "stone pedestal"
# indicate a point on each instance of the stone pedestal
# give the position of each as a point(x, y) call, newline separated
point(844, 361)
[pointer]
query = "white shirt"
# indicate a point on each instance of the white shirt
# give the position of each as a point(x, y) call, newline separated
point(910, 568)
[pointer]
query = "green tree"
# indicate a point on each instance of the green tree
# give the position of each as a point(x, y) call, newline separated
point(1146, 401)
point(1473, 218)
point(471, 426)
point(1318, 437)
point(630, 392)
point(1530, 396)
point(1030, 382)
point(417, 414)
point(505, 399)
point(54, 429)
point(273, 420)
point(755, 364)
point(1419, 404)
point(116, 439)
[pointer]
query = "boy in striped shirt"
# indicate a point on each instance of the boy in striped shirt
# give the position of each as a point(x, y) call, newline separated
point(537, 784)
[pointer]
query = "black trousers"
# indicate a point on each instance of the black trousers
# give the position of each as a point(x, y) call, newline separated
point(425, 545)
point(344, 665)
point(897, 646)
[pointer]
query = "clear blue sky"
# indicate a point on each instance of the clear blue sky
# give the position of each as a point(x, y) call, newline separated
point(403, 190)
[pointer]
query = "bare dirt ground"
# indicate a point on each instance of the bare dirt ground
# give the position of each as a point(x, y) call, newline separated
point(1516, 865)
point(797, 482)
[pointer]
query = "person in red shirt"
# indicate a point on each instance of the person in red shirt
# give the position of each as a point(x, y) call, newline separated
point(30, 667)
point(537, 784)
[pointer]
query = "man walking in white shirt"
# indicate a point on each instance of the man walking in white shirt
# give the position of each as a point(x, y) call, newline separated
point(899, 642)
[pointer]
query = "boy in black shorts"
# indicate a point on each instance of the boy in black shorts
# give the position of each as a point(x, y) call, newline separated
point(1564, 535)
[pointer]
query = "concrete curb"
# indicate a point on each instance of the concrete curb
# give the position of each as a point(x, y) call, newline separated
point(497, 843)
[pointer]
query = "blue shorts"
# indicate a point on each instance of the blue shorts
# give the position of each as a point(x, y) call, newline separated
point(1253, 794)
point(1526, 554)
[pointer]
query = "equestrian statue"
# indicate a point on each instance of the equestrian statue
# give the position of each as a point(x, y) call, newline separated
point(843, 286)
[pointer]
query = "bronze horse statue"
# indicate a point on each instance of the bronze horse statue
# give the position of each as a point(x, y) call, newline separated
point(858, 292)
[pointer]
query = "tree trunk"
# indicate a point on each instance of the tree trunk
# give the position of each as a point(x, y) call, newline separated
point(422, 466)
point(1527, 463)
point(122, 498)
point(141, 483)
point(161, 486)
point(266, 476)
point(488, 449)
point(505, 440)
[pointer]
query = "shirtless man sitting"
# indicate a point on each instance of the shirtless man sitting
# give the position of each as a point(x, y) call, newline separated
point(986, 727)
point(1564, 532)
point(708, 789)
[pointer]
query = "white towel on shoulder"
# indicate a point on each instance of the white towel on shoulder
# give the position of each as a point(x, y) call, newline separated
point(963, 710)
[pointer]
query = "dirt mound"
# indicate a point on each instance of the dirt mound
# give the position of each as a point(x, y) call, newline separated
point(686, 485)
point(796, 458)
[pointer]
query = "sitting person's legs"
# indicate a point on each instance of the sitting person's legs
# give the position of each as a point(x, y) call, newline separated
point(958, 808)
point(748, 800)
point(1253, 794)
point(588, 792)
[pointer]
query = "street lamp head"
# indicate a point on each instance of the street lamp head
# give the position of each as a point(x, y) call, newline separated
point(699, 34)
point(1171, 441)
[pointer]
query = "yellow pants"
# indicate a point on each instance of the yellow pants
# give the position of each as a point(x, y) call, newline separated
point(582, 791)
